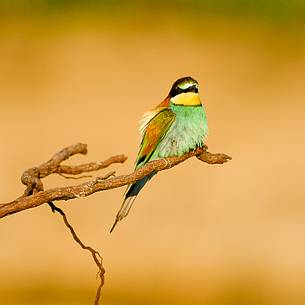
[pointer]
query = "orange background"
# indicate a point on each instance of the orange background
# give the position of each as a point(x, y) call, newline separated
point(197, 234)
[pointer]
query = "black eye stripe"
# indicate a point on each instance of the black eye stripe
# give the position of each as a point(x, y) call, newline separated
point(178, 90)
point(192, 89)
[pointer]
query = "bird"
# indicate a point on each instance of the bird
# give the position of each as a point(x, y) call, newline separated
point(173, 128)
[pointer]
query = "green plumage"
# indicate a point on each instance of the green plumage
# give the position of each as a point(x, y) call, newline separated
point(188, 131)
point(175, 127)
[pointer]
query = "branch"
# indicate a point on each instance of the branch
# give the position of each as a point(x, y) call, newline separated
point(32, 179)
point(95, 254)
point(35, 195)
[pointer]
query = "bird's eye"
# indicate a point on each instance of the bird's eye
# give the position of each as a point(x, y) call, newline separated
point(177, 91)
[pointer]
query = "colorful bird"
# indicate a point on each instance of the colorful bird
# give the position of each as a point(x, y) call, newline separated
point(175, 127)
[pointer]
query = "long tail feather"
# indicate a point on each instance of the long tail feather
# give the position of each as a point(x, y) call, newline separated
point(124, 210)
point(131, 195)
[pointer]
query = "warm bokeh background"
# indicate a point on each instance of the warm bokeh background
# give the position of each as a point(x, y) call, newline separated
point(198, 234)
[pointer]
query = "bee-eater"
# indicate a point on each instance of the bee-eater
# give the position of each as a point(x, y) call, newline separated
point(175, 127)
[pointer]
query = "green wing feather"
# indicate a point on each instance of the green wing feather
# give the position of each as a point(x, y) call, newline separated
point(154, 133)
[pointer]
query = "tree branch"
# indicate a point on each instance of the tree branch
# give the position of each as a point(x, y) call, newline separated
point(35, 195)
point(95, 254)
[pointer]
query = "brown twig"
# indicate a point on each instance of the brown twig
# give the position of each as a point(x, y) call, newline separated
point(90, 167)
point(95, 254)
point(35, 194)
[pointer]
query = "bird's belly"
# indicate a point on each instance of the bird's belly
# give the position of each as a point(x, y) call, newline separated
point(187, 132)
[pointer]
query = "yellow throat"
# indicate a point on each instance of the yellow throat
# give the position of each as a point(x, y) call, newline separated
point(186, 99)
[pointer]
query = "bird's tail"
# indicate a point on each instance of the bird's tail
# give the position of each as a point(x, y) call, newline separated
point(131, 195)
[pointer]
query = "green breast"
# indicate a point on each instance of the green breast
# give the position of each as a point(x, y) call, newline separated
point(189, 131)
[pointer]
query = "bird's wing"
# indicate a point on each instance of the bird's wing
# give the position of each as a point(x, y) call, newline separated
point(154, 127)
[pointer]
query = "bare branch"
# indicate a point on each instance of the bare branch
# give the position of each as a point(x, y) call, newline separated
point(210, 158)
point(85, 189)
point(95, 254)
point(35, 194)
point(90, 167)
point(31, 177)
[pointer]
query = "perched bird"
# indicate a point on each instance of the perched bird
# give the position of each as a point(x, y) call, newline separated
point(175, 127)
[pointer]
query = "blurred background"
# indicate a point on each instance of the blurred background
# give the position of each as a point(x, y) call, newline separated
point(85, 71)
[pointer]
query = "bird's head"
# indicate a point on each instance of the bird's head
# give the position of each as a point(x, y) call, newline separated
point(185, 92)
